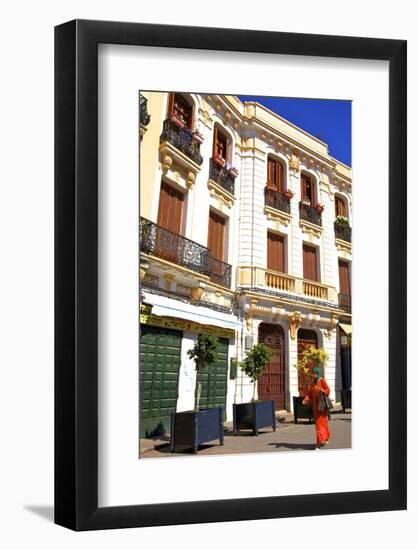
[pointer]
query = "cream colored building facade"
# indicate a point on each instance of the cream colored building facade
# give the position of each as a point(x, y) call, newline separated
point(244, 300)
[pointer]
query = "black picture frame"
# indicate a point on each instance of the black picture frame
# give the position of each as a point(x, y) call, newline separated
point(76, 272)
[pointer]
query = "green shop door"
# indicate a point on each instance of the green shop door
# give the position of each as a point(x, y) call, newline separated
point(159, 367)
point(214, 380)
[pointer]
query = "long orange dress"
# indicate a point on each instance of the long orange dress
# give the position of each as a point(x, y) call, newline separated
point(321, 417)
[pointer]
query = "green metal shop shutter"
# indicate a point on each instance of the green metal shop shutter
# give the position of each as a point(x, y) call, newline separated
point(159, 367)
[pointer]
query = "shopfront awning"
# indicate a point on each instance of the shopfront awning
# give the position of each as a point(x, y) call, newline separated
point(347, 329)
point(167, 307)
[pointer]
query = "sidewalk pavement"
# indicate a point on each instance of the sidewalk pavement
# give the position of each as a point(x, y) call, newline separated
point(288, 436)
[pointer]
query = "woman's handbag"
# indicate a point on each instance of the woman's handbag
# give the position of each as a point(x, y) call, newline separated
point(324, 402)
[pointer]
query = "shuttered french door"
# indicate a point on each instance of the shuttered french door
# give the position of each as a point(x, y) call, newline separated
point(275, 175)
point(276, 252)
point(271, 385)
point(310, 267)
point(344, 278)
point(308, 189)
point(216, 236)
point(170, 213)
point(340, 207)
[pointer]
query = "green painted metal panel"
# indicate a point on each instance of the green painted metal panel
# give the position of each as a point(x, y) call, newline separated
point(214, 380)
point(159, 367)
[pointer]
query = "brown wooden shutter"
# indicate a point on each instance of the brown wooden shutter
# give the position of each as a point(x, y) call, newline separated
point(280, 177)
point(170, 209)
point(340, 207)
point(216, 236)
point(276, 252)
point(303, 187)
point(344, 278)
point(215, 141)
point(310, 270)
point(170, 105)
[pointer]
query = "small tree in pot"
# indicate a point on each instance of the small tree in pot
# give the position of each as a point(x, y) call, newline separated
point(256, 414)
point(204, 353)
point(190, 429)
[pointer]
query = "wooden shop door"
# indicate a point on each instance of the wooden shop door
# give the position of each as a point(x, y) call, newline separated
point(272, 384)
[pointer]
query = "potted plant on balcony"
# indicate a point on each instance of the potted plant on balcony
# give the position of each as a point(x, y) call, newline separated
point(219, 160)
point(288, 194)
point(176, 120)
point(342, 220)
point(255, 414)
point(190, 429)
point(232, 171)
point(312, 357)
point(319, 208)
point(198, 136)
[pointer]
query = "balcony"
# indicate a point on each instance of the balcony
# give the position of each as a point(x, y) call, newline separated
point(220, 272)
point(144, 116)
point(162, 243)
point(277, 200)
point(343, 232)
point(182, 139)
point(282, 283)
point(222, 176)
point(310, 214)
point(345, 302)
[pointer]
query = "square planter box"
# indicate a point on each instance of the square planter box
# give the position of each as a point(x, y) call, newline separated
point(254, 416)
point(300, 410)
point(346, 396)
point(191, 429)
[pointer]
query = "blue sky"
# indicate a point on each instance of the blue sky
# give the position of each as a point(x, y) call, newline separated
point(327, 119)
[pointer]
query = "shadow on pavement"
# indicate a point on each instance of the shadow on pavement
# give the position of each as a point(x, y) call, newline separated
point(304, 446)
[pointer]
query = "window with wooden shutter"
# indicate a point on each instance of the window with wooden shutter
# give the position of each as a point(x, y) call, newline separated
point(275, 175)
point(180, 107)
point(170, 211)
point(276, 252)
point(216, 236)
point(344, 277)
point(308, 189)
point(310, 263)
point(220, 145)
point(340, 209)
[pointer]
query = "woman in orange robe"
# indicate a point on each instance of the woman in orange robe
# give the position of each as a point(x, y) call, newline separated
point(315, 387)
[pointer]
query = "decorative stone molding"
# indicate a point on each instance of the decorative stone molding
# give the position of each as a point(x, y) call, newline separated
point(183, 289)
point(250, 312)
point(311, 229)
point(169, 278)
point(144, 266)
point(166, 162)
point(344, 247)
point(226, 117)
point(295, 319)
point(331, 326)
point(205, 117)
point(294, 163)
point(313, 318)
point(278, 313)
point(197, 292)
point(277, 215)
point(190, 179)
point(151, 280)
point(220, 194)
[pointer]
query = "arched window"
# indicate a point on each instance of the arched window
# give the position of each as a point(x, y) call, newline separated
point(220, 146)
point(275, 176)
point(308, 189)
point(340, 207)
point(180, 109)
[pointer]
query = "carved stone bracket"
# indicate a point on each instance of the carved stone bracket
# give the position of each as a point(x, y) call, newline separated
point(331, 326)
point(294, 163)
point(295, 319)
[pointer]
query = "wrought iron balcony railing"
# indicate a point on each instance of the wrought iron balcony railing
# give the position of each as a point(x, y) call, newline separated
point(182, 139)
point(310, 213)
point(144, 116)
point(222, 176)
point(276, 199)
point(343, 232)
point(220, 272)
point(345, 302)
point(165, 244)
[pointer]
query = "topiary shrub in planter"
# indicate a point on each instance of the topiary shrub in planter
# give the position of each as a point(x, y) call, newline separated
point(190, 429)
point(256, 414)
